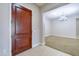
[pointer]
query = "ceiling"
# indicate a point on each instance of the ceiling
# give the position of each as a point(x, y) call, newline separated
point(40, 4)
point(66, 10)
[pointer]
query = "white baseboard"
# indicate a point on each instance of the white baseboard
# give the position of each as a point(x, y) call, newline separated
point(36, 45)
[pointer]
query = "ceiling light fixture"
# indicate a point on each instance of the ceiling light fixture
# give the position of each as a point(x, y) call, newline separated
point(63, 18)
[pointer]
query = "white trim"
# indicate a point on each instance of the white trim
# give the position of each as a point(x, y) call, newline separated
point(36, 45)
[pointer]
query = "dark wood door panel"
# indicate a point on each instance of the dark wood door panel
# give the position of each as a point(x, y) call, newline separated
point(22, 22)
point(22, 40)
point(21, 29)
point(21, 43)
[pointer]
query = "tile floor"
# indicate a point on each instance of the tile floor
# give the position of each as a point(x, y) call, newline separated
point(42, 51)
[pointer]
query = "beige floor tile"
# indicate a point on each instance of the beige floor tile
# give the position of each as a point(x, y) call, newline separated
point(42, 51)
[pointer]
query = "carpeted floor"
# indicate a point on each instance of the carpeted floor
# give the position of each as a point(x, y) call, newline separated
point(67, 45)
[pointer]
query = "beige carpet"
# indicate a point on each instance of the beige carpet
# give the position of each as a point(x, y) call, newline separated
point(42, 51)
point(67, 45)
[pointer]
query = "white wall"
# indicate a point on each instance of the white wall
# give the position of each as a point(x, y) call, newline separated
point(59, 28)
point(46, 26)
point(5, 29)
point(77, 28)
point(36, 23)
point(65, 28)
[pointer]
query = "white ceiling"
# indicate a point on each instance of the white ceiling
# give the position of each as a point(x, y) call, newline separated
point(54, 4)
point(40, 4)
point(67, 10)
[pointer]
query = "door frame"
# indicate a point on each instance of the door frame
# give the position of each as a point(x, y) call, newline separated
point(22, 7)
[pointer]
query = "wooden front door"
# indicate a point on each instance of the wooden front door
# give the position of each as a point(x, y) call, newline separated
point(21, 29)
